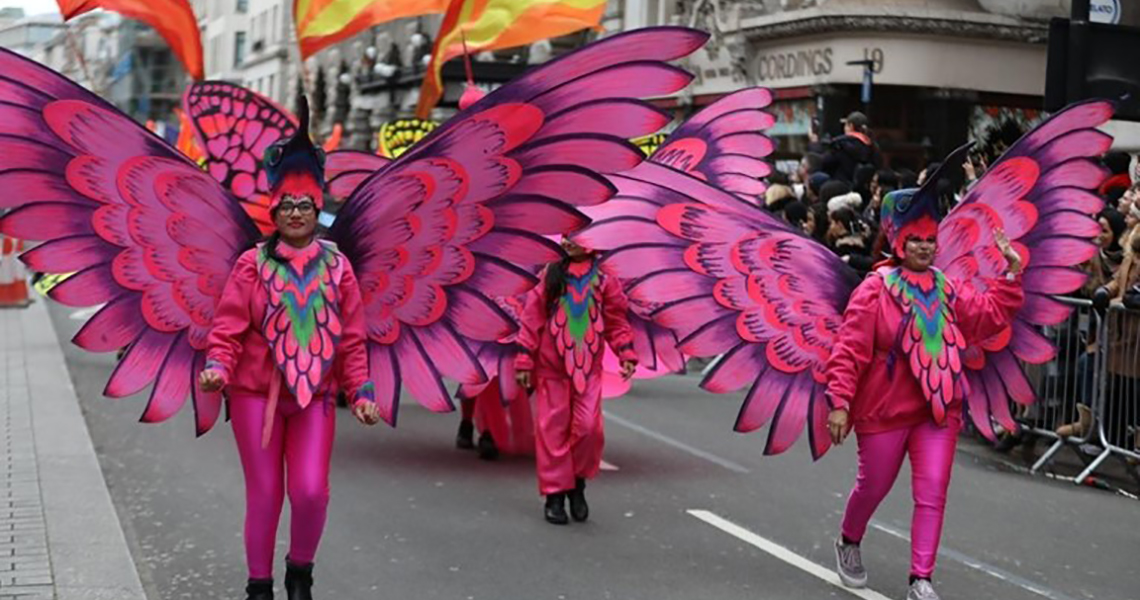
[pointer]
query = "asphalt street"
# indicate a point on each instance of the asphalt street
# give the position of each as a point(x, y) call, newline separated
point(686, 509)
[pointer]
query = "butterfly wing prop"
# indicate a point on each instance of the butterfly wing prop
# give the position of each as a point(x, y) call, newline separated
point(151, 236)
point(1041, 192)
point(459, 218)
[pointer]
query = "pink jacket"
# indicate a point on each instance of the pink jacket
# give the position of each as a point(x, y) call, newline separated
point(857, 373)
point(239, 351)
point(537, 340)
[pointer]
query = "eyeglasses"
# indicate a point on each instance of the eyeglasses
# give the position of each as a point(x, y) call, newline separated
point(305, 208)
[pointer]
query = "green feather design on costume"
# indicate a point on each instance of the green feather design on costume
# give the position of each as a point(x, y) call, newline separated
point(305, 302)
point(578, 303)
point(928, 308)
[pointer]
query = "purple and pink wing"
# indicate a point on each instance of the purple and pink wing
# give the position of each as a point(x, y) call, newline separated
point(459, 218)
point(730, 279)
point(346, 169)
point(150, 236)
point(234, 126)
point(723, 144)
point(1042, 193)
point(498, 358)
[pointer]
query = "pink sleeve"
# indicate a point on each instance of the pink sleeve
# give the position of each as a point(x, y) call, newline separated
point(615, 311)
point(232, 317)
point(854, 344)
point(531, 323)
point(354, 341)
point(981, 316)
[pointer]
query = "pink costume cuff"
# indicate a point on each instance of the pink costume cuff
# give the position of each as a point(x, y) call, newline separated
point(523, 361)
point(366, 393)
point(220, 369)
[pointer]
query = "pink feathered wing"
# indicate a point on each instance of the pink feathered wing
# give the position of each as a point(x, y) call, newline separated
point(150, 234)
point(458, 219)
point(1041, 193)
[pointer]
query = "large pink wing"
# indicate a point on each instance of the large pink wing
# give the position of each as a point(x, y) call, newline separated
point(729, 278)
point(498, 358)
point(724, 144)
point(150, 235)
point(347, 169)
point(1041, 193)
point(459, 218)
point(234, 126)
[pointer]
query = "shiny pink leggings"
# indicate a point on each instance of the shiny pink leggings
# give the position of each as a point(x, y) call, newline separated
point(931, 450)
point(302, 446)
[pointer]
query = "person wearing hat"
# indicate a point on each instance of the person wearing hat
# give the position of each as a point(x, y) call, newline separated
point(280, 391)
point(855, 147)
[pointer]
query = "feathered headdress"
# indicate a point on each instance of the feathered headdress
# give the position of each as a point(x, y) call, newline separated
point(296, 167)
point(915, 212)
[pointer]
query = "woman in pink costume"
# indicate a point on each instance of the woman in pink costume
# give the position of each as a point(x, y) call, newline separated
point(894, 374)
point(288, 334)
point(567, 321)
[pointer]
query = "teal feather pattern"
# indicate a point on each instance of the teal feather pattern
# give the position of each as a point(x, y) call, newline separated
point(576, 325)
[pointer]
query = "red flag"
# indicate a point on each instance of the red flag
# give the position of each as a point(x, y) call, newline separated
point(174, 20)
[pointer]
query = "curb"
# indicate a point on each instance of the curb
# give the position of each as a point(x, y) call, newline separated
point(89, 554)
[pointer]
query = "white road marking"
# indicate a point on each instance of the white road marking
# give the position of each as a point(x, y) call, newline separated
point(85, 313)
point(988, 569)
point(782, 553)
point(609, 466)
point(724, 462)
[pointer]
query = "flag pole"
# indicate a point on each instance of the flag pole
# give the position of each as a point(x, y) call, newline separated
point(82, 60)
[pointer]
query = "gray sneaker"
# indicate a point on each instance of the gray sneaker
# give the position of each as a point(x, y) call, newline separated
point(849, 564)
point(921, 589)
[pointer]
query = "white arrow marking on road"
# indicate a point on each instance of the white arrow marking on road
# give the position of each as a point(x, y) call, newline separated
point(973, 563)
point(782, 553)
point(85, 313)
point(724, 462)
point(609, 466)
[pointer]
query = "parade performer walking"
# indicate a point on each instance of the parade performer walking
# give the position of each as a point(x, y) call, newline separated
point(894, 374)
point(432, 238)
point(288, 333)
point(567, 321)
point(896, 356)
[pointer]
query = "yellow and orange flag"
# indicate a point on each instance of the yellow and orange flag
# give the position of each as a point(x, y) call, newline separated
point(174, 20)
point(497, 24)
point(321, 23)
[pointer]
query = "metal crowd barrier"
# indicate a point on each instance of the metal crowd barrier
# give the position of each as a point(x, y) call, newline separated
point(1088, 396)
point(1065, 386)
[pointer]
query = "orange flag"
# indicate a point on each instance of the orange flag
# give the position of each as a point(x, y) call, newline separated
point(321, 23)
point(495, 24)
point(174, 20)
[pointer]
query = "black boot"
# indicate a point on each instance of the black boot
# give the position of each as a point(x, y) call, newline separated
point(556, 509)
point(298, 581)
point(259, 589)
point(465, 438)
point(578, 507)
point(487, 448)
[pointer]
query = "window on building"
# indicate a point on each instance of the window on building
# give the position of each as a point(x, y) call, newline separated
point(271, 91)
point(239, 48)
point(242, 6)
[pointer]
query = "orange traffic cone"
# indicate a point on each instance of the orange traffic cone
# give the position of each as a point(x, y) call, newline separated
point(13, 280)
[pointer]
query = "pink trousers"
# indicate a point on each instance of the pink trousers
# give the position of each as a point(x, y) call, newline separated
point(300, 448)
point(931, 450)
point(568, 433)
point(512, 426)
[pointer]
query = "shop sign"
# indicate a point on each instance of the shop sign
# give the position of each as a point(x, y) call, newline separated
point(1105, 11)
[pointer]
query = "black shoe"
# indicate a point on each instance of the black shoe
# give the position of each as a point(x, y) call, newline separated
point(259, 589)
point(298, 581)
point(556, 509)
point(465, 438)
point(487, 448)
point(578, 507)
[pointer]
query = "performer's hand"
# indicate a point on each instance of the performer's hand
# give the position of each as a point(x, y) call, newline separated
point(210, 381)
point(628, 368)
point(838, 426)
point(1011, 255)
point(524, 379)
point(367, 413)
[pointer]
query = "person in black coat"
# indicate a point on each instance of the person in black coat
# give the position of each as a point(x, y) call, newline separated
point(852, 149)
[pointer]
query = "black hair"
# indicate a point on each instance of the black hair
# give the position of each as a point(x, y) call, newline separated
point(795, 213)
point(907, 179)
point(888, 178)
point(554, 283)
point(833, 188)
point(1116, 224)
point(1117, 162)
point(778, 178)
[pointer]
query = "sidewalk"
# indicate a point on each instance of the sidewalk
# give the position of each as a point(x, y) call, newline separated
point(60, 537)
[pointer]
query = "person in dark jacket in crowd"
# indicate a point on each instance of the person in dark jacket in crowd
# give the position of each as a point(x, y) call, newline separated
point(851, 149)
